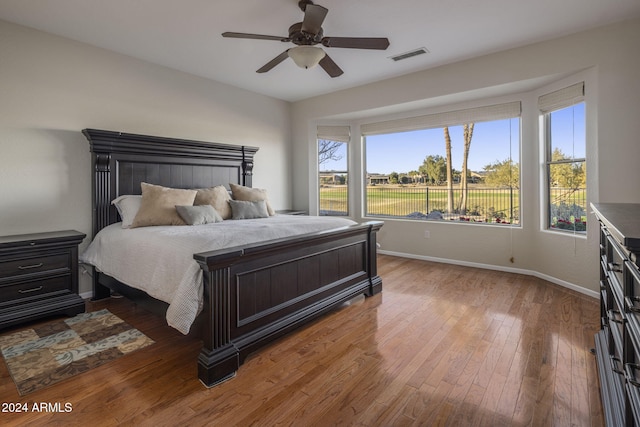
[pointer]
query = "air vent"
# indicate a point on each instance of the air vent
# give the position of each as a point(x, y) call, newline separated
point(409, 54)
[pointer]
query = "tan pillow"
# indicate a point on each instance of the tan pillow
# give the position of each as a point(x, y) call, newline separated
point(158, 206)
point(218, 197)
point(249, 194)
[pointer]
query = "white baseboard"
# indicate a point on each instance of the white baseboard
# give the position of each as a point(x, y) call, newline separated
point(537, 274)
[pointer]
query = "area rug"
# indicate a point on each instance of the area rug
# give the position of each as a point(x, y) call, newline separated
point(52, 352)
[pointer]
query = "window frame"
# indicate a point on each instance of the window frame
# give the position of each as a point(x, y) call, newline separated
point(564, 98)
point(340, 134)
point(508, 110)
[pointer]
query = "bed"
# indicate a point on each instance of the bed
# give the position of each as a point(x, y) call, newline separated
point(304, 275)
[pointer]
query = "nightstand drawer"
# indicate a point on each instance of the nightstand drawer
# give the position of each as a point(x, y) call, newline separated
point(34, 288)
point(31, 265)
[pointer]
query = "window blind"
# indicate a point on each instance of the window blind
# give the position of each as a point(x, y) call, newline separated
point(334, 133)
point(561, 98)
point(450, 118)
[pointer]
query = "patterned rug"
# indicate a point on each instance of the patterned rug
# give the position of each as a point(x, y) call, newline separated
point(49, 353)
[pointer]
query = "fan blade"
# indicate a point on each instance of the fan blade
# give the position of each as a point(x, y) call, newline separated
point(275, 61)
point(313, 18)
point(330, 67)
point(255, 36)
point(380, 43)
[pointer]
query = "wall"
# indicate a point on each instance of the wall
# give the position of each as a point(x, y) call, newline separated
point(605, 57)
point(51, 88)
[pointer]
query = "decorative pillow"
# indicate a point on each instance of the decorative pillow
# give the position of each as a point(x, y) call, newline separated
point(127, 206)
point(158, 205)
point(249, 194)
point(218, 197)
point(243, 209)
point(198, 215)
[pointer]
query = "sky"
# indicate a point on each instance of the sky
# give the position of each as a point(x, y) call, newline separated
point(568, 127)
point(491, 142)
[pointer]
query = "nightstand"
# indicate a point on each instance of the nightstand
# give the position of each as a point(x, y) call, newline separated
point(39, 276)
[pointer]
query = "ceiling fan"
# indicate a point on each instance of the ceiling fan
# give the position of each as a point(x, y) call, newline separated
point(308, 33)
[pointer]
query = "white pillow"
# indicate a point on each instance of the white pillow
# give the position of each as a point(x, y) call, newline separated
point(127, 206)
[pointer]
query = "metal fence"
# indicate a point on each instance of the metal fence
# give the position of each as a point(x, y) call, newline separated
point(568, 209)
point(498, 205)
point(487, 205)
point(334, 200)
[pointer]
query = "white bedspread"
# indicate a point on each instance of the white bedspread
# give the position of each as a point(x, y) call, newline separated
point(159, 260)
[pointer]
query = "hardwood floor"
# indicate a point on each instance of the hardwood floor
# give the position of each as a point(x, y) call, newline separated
point(442, 345)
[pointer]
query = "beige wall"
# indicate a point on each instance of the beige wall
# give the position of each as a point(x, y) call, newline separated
point(605, 58)
point(51, 88)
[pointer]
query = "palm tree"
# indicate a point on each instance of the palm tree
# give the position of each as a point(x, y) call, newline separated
point(464, 185)
point(447, 141)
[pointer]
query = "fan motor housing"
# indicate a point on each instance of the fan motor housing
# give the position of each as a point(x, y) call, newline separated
point(302, 4)
point(302, 38)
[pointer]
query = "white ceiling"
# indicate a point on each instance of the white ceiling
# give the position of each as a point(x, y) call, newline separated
point(186, 34)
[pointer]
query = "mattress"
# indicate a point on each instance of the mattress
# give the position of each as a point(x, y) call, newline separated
point(159, 260)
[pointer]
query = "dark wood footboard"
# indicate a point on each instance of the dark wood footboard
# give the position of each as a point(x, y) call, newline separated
point(256, 294)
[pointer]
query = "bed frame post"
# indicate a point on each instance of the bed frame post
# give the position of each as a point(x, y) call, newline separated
point(247, 165)
point(102, 215)
point(375, 282)
point(219, 358)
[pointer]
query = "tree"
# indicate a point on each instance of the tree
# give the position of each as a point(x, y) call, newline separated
point(393, 177)
point(434, 168)
point(566, 174)
point(447, 142)
point(504, 173)
point(327, 150)
point(464, 179)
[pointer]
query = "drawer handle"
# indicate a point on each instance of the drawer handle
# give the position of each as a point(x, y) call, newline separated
point(27, 291)
point(631, 368)
point(615, 267)
point(630, 305)
point(29, 267)
point(612, 314)
point(614, 362)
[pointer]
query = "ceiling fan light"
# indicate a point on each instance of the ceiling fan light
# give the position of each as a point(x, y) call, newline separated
point(306, 56)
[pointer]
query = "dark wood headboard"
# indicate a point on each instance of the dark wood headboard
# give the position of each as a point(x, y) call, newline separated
point(121, 161)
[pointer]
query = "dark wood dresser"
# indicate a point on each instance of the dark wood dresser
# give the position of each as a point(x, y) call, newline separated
point(39, 276)
point(618, 342)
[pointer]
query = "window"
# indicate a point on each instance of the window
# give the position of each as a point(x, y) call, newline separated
point(565, 159)
point(460, 166)
point(333, 175)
